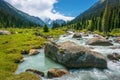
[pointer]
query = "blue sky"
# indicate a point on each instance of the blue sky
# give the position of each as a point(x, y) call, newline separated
point(73, 7)
point(53, 9)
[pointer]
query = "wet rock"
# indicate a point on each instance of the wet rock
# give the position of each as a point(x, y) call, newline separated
point(19, 60)
point(113, 56)
point(51, 39)
point(85, 34)
point(72, 55)
point(67, 34)
point(4, 32)
point(77, 35)
point(110, 40)
point(78, 38)
point(99, 41)
point(36, 72)
point(117, 40)
point(54, 73)
point(96, 35)
point(107, 37)
point(89, 32)
point(22, 60)
point(33, 52)
point(24, 52)
point(115, 47)
point(64, 35)
point(91, 47)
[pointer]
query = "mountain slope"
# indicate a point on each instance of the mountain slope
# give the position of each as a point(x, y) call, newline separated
point(102, 12)
point(11, 17)
point(96, 8)
point(50, 22)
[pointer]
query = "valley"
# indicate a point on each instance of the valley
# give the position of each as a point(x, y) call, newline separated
point(56, 46)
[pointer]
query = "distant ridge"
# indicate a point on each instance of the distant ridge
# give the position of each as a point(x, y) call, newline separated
point(13, 17)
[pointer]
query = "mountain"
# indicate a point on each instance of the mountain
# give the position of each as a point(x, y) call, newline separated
point(50, 22)
point(12, 17)
point(96, 8)
point(33, 19)
point(103, 16)
point(59, 21)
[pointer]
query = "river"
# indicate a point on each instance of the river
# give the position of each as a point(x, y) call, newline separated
point(41, 63)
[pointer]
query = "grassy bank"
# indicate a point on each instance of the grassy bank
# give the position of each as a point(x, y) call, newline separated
point(114, 32)
point(12, 45)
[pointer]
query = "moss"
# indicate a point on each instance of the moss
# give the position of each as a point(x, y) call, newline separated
point(24, 76)
point(61, 51)
point(5, 74)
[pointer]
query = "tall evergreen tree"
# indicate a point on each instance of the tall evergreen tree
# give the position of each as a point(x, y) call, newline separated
point(105, 19)
point(55, 25)
point(45, 28)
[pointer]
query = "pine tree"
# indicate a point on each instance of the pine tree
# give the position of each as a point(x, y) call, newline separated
point(55, 25)
point(105, 19)
point(45, 28)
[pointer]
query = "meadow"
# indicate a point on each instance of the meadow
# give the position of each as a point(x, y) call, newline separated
point(21, 39)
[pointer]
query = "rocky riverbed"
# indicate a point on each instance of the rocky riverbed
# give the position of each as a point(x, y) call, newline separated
point(101, 45)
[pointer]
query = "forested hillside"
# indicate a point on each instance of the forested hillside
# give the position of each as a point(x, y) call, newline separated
point(103, 19)
point(11, 17)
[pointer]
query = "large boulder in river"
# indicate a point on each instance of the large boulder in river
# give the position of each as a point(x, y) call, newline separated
point(54, 73)
point(4, 32)
point(72, 55)
point(99, 41)
point(76, 35)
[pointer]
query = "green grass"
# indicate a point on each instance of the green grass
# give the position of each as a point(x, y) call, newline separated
point(100, 33)
point(115, 32)
point(12, 45)
point(24, 76)
point(53, 32)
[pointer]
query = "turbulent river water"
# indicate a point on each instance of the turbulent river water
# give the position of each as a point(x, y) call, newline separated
point(41, 63)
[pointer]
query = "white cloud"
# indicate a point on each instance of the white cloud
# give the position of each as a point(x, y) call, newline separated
point(41, 8)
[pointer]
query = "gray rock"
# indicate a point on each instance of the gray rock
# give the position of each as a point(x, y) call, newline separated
point(33, 52)
point(99, 41)
point(73, 56)
point(77, 35)
point(117, 40)
point(54, 73)
point(4, 32)
point(114, 56)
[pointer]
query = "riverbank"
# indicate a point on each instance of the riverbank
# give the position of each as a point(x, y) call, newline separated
point(11, 46)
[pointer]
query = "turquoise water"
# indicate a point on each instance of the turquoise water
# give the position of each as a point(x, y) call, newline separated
point(40, 62)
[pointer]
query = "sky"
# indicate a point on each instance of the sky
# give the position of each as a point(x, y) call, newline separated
point(53, 9)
